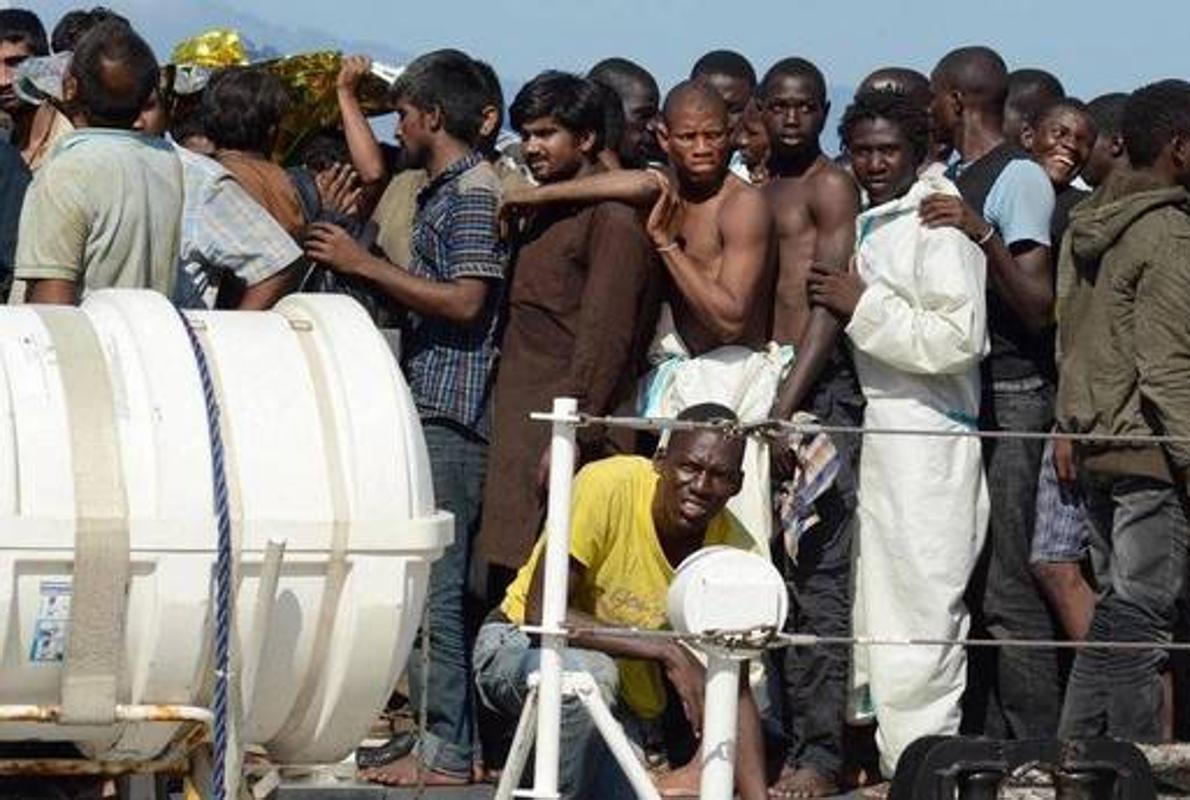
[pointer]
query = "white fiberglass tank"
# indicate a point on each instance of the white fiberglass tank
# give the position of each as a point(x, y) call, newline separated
point(324, 454)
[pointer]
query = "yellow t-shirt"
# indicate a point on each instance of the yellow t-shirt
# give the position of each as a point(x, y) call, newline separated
point(627, 574)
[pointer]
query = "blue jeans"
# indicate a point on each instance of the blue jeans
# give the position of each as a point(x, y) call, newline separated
point(504, 659)
point(1139, 525)
point(458, 462)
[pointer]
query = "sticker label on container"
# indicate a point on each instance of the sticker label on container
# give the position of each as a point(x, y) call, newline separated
point(53, 620)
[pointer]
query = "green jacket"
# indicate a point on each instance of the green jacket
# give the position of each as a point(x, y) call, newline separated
point(1124, 324)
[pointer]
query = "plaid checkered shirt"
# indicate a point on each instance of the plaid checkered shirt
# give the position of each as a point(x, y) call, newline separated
point(450, 367)
point(223, 231)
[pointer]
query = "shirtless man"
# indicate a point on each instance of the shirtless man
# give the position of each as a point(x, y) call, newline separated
point(710, 228)
point(814, 205)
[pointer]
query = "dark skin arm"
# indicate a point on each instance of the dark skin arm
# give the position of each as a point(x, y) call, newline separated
point(681, 667)
point(52, 291)
point(361, 141)
point(264, 295)
point(723, 301)
point(838, 291)
point(1022, 274)
point(835, 208)
point(460, 301)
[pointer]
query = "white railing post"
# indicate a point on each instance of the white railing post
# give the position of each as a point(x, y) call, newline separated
point(720, 718)
point(554, 594)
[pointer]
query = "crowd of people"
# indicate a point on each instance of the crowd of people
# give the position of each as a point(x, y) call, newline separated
point(985, 253)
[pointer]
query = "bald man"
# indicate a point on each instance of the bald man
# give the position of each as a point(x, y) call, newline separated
point(1006, 208)
point(710, 228)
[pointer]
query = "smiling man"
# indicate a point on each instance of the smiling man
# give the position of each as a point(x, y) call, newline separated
point(581, 310)
point(1060, 139)
point(913, 305)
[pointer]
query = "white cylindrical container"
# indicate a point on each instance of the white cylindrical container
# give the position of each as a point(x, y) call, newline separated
point(723, 588)
point(324, 454)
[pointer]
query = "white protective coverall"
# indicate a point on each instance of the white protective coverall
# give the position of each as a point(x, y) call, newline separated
point(745, 381)
point(919, 332)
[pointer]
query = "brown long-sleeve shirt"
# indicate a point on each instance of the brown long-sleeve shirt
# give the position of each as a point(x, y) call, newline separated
point(582, 307)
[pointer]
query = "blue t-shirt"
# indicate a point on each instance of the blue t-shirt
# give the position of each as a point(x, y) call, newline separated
point(1021, 204)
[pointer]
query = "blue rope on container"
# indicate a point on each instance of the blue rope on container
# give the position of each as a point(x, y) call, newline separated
point(223, 597)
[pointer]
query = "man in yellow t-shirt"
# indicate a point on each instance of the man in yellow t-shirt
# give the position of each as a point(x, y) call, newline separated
point(632, 522)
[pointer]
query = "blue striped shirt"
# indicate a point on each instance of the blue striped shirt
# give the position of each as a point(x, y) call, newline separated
point(449, 366)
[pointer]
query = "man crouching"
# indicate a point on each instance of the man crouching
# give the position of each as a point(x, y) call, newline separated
point(632, 523)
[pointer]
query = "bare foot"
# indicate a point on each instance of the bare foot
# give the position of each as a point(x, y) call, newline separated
point(680, 782)
point(482, 774)
point(408, 771)
point(876, 791)
point(803, 782)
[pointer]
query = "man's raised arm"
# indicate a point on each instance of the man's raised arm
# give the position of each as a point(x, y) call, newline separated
point(636, 187)
point(366, 155)
point(723, 300)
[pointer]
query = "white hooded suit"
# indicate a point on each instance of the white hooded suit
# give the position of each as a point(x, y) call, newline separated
point(918, 332)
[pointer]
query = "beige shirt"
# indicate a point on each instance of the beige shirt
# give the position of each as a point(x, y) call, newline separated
point(394, 212)
point(394, 216)
point(104, 211)
point(55, 126)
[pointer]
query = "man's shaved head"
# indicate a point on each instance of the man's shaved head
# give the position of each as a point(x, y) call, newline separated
point(978, 73)
point(1029, 89)
point(725, 62)
point(692, 94)
point(639, 98)
point(798, 68)
point(906, 82)
point(624, 76)
point(1108, 112)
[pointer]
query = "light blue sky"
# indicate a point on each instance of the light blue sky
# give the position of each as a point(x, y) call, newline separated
point(1092, 45)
